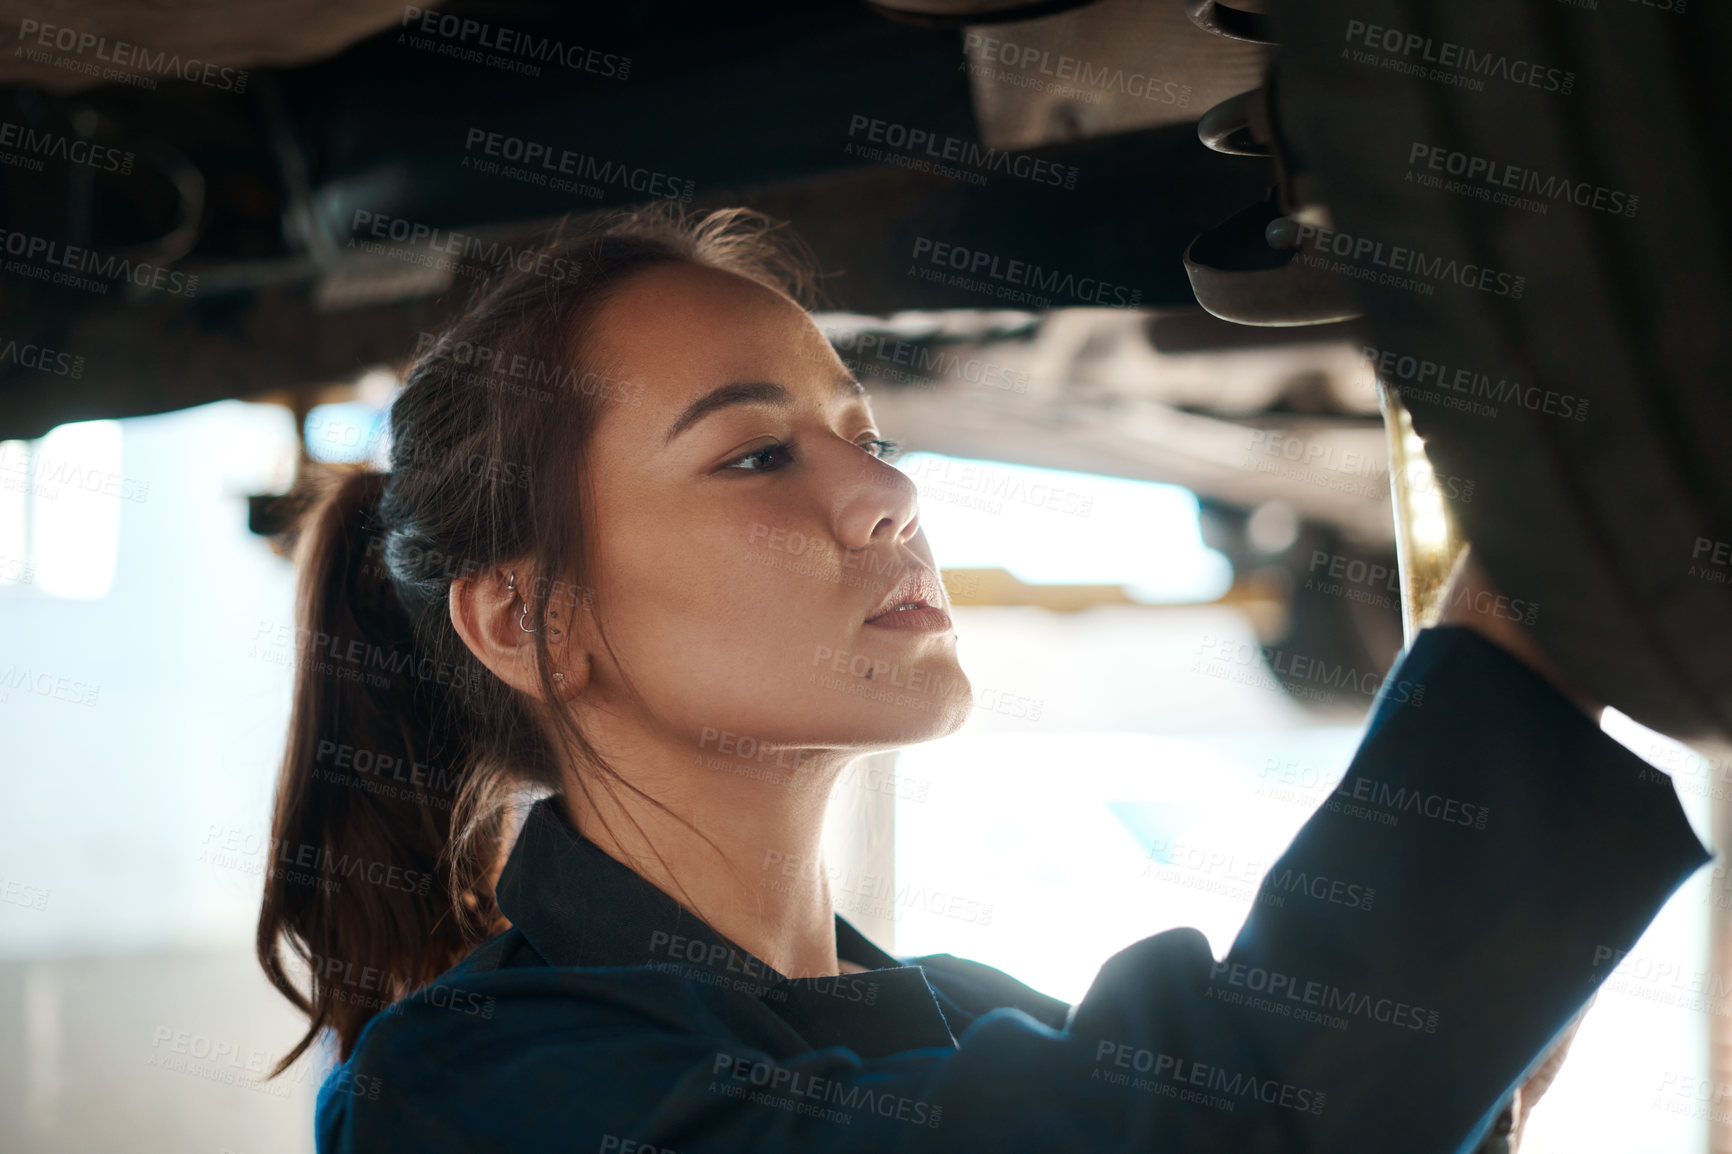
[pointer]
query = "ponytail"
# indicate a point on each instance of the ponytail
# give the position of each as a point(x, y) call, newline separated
point(357, 881)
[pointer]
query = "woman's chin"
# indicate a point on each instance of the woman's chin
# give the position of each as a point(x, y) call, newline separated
point(879, 712)
point(916, 718)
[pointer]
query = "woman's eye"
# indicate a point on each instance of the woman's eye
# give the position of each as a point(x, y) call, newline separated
point(764, 460)
point(772, 457)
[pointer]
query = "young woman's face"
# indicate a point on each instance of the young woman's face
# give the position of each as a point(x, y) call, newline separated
point(749, 538)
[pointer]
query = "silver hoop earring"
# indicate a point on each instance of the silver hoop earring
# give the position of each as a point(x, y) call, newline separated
point(511, 587)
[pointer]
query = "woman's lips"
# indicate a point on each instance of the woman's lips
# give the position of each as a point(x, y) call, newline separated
point(913, 620)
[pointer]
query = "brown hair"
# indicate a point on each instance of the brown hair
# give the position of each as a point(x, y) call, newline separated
point(383, 886)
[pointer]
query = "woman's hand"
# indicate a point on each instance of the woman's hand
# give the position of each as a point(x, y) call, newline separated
point(1460, 598)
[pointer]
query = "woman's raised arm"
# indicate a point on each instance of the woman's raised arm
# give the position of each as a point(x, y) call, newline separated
point(1515, 851)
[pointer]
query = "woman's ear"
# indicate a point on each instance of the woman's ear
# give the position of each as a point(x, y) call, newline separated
point(489, 615)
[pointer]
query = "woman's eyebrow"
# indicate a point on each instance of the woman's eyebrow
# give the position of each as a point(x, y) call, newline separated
point(746, 393)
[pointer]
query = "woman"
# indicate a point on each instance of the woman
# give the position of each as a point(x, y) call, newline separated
point(566, 587)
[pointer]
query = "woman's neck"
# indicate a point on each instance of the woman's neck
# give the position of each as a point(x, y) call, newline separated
point(762, 884)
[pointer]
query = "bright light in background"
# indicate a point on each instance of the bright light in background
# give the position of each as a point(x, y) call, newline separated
point(77, 534)
point(15, 565)
point(348, 432)
point(1055, 527)
point(1073, 856)
point(60, 515)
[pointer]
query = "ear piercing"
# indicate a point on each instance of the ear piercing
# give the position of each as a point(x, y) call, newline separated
point(511, 587)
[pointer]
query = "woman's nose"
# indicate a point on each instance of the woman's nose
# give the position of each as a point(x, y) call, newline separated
point(875, 503)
